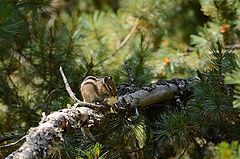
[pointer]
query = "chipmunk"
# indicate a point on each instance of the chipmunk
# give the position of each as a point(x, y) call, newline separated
point(94, 89)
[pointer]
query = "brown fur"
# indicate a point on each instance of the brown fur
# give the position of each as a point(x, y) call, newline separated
point(95, 89)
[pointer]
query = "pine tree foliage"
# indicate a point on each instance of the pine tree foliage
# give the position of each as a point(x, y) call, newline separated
point(138, 67)
point(11, 21)
point(124, 135)
point(176, 129)
point(224, 24)
point(217, 98)
point(138, 42)
point(210, 113)
point(233, 78)
point(93, 152)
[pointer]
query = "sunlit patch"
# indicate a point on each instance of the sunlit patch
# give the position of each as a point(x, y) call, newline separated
point(111, 100)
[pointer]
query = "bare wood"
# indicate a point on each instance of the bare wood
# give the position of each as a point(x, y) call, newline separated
point(14, 143)
point(146, 97)
point(158, 92)
point(67, 86)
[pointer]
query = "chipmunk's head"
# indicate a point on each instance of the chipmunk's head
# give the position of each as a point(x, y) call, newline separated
point(110, 85)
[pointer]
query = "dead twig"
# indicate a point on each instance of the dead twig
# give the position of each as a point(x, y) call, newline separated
point(123, 42)
point(67, 86)
point(129, 35)
point(14, 143)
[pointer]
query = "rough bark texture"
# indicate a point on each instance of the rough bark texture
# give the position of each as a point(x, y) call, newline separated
point(157, 92)
point(48, 134)
point(150, 95)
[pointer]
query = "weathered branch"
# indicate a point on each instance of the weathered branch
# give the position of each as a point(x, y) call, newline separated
point(148, 95)
point(155, 93)
point(48, 134)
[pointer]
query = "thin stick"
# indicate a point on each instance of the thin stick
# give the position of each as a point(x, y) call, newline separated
point(14, 143)
point(129, 35)
point(67, 86)
point(122, 43)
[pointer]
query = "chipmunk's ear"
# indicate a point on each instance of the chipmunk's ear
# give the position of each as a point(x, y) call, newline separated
point(110, 77)
point(105, 79)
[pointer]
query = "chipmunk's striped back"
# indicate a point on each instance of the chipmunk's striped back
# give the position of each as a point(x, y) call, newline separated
point(95, 89)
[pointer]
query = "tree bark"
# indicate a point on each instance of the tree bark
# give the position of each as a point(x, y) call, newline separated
point(48, 134)
point(150, 95)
